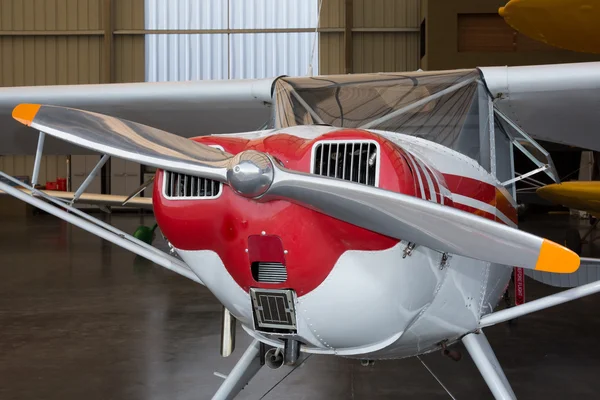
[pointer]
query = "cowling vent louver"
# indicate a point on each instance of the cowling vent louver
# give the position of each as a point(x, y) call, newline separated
point(355, 161)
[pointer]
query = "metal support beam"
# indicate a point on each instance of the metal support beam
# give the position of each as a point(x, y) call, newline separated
point(416, 104)
point(304, 104)
point(525, 176)
point(240, 375)
point(108, 45)
point(512, 188)
point(348, 45)
point(90, 178)
point(552, 173)
point(38, 159)
point(484, 358)
point(490, 112)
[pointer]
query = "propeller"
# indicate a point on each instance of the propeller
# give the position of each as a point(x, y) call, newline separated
point(258, 176)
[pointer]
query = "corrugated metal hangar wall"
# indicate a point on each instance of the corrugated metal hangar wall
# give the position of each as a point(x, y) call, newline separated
point(52, 42)
point(369, 36)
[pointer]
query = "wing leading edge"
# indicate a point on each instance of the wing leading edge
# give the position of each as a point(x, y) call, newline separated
point(186, 108)
point(557, 103)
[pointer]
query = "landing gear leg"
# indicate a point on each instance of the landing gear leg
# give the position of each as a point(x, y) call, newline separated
point(484, 358)
point(242, 372)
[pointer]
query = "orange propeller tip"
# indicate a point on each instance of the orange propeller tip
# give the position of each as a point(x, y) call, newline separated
point(556, 258)
point(25, 113)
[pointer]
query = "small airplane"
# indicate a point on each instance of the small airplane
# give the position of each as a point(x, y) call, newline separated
point(376, 219)
point(570, 25)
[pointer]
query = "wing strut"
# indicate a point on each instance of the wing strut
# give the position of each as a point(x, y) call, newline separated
point(96, 227)
point(90, 178)
point(38, 159)
point(542, 303)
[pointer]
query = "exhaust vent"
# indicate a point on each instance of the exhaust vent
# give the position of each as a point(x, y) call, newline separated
point(352, 160)
point(181, 186)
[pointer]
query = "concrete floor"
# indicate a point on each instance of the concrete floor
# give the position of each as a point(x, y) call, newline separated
point(82, 319)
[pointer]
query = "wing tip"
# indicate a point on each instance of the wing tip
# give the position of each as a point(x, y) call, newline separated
point(25, 113)
point(556, 258)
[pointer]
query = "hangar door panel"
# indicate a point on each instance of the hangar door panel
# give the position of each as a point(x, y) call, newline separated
point(81, 166)
point(124, 176)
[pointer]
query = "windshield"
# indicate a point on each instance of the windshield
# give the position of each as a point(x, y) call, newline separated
point(441, 106)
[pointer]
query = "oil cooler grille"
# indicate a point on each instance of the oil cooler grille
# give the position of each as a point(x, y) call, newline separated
point(269, 272)
point(355, 161)
point(182, 186)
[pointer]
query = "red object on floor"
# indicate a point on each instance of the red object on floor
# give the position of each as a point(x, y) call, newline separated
point(519, 286)
point(51, 186)
point(61, 184)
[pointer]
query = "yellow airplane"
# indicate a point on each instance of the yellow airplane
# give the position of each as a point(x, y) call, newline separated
point(571, 25)
point(579, 195)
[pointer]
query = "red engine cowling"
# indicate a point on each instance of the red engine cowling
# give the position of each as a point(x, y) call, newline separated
point(243, 232)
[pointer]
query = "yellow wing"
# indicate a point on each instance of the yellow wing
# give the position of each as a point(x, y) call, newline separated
point(580, 195)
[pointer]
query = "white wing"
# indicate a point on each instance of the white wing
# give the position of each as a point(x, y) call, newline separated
point(559, 103)
point(185, 108)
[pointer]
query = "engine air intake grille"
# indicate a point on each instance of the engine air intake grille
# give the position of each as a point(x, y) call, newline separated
point(273, 308)
point(355, 161)
point(182, 186)
point(269, 272)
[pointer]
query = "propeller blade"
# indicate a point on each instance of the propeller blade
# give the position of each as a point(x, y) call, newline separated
point(257, 176)
point(125, 139)
point(422, 222)
point(139, 190)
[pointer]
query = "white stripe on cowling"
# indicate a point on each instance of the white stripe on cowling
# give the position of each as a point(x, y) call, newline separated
point(416, 169)
point(426, 172)
point(439, 185)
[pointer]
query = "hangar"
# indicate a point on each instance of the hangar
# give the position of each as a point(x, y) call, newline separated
point(375, 213)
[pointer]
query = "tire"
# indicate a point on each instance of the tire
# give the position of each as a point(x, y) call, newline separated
point(573, 240)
